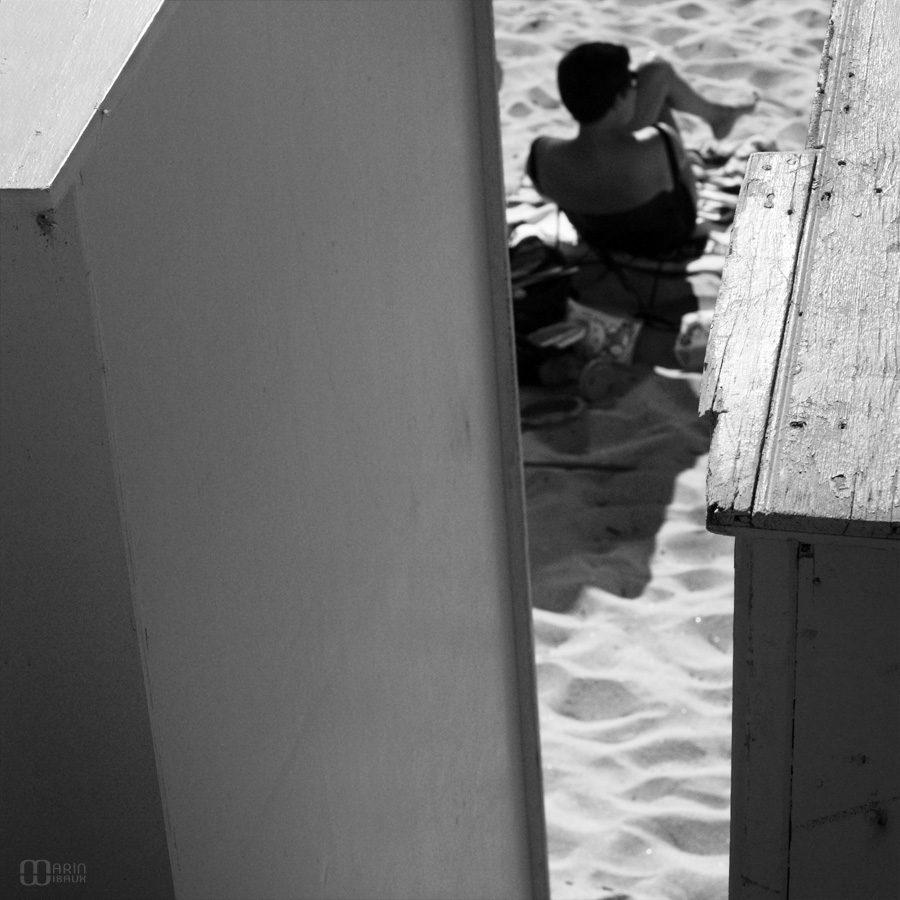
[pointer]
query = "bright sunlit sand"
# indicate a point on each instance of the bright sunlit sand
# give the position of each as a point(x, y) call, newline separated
point(633, 597)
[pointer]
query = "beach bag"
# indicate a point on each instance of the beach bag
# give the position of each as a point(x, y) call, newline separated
point(541, 286)
point(612, 338)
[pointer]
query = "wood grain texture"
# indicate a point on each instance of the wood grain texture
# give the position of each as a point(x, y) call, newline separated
point(764, 642)
point(845, 796)
point(832, 455)
point(803, 366)
point(747, 330)
point(815, 769)
point(60, 60)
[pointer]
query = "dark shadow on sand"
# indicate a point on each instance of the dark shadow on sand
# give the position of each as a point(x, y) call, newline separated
point(598, 485)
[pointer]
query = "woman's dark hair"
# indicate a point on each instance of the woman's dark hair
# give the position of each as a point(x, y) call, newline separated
point(590, 77)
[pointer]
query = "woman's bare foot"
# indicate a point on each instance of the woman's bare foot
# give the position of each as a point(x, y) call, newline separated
point(722, 118)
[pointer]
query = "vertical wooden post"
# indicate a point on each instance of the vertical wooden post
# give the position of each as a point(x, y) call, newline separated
point(764, 637)
point(845, 799)
point(816, 720)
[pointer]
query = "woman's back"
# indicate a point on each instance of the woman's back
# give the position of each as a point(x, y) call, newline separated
point(601, 176)
point(624, 181)
point(623, 191)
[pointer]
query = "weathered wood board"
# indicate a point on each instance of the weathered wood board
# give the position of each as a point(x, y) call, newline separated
point(815, 767)
point(803, 381)
point(757, 285)
point(825, 456)
point(845, 791)
point(764, 638)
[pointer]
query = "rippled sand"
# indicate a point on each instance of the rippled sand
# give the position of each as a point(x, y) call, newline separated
point(633, 597)
point(727, 49)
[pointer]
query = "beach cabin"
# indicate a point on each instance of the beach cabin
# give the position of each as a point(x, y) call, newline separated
point(802, 381)
point(265, 614)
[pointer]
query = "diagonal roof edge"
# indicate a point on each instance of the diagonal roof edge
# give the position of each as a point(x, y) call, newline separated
point(61, 65)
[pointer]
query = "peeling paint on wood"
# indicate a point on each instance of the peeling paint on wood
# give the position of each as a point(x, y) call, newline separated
point(842, 365)
point(748, 327)
point(803, 370)
point(803, 382)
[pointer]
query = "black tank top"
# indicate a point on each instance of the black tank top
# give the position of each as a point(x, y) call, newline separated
point(656, 227)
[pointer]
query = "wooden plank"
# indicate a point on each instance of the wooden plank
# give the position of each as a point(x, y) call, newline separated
point(747, 330)
point(831, 461)
point(815, 769)
point(57, 72)
point(764, 639)
point(846, 785)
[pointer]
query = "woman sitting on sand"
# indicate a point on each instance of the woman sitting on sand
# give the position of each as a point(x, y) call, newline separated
point(624, 181)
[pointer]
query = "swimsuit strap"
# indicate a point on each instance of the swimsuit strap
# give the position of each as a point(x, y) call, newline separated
point(670, 153)
point(531, 162)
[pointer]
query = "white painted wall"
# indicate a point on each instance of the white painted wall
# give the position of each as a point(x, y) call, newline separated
point(78, 781)
point(285, 223)
point(61, 60)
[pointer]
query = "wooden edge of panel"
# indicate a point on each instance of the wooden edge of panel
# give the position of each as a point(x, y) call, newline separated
point(814, 134)
point(511, 453)
point(84, 145)
point(846, 280)
point(815, 531)
point(762, 722)
point(749, 326)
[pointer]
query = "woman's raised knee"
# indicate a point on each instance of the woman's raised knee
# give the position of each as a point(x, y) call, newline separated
point(655, 69)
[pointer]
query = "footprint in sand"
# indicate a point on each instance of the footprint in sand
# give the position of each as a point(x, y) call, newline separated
point(666, 750)
point(766, 78)
point(631, 848)
point(690, 11)
point(552, 679)
point(633, 727)
point(766, 23)
point(696, 546)
point(539, 97)
point(562, 841)
point(714, 799)
point(516, 49)
point(720, 697)
point(704, 579)
point(654, 789)
point(720, 69)
point(717, 629)
point(590, 699)
point(550, 634)
point(537, 25)
point(708, 49)
point(697, 836)
point(669, 36)
point(812, 19)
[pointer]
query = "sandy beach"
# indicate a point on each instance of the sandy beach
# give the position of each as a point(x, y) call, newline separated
point(633, 597)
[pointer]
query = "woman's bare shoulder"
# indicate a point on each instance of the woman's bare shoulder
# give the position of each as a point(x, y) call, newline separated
point(621, 176)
